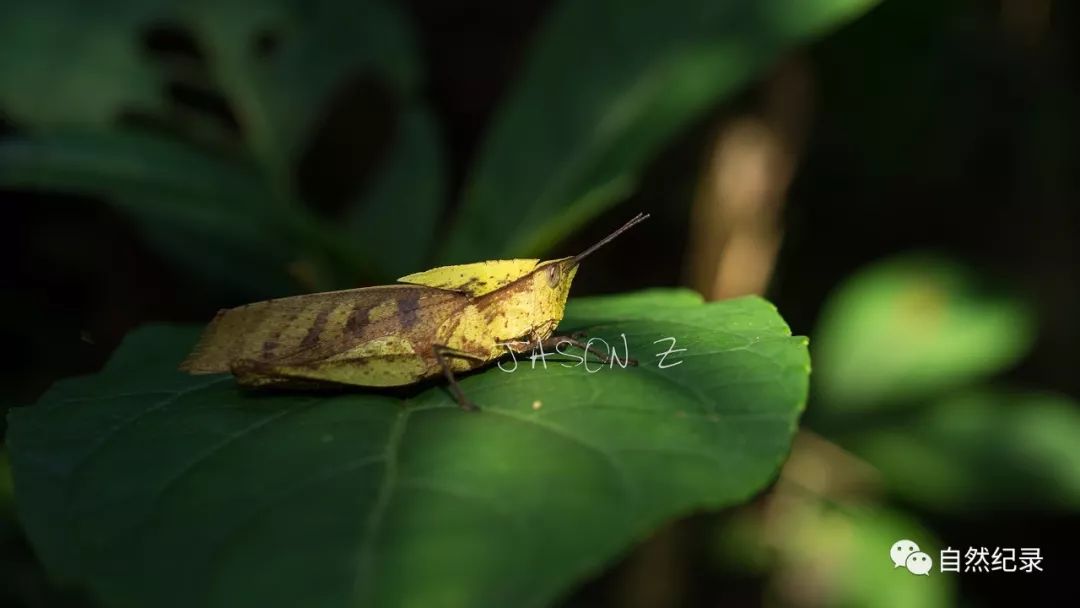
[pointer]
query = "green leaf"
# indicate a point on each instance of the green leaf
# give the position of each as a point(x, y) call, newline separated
point(606, 86)
point(395, 221)
point(909, 327)
point(983, 451)
point(205, 211)
point(636, 304)
point(156, 488)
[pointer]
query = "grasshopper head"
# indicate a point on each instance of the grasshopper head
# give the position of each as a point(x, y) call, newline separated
point(553, 277)
point(534, 305)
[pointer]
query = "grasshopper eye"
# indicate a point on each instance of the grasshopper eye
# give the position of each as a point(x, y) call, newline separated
point(553, 275)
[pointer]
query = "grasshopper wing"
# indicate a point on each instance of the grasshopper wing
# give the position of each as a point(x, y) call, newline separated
point(304, 330)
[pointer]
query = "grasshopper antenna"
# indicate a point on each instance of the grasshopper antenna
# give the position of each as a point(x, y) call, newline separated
point(637, 219)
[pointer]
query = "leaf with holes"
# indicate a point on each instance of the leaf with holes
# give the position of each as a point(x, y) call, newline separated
point(272, 64)
point(249, 80)
point(156, 488)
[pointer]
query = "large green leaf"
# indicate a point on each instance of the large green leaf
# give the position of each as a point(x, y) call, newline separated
point(156, 488)
point(607, 84)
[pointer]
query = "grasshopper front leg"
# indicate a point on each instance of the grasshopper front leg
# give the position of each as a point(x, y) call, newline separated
point(442, 353)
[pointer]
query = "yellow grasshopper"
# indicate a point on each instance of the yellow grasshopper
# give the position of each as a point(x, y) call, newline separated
point(440, 321)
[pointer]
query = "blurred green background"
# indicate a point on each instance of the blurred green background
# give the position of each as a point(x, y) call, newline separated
point(899, 178)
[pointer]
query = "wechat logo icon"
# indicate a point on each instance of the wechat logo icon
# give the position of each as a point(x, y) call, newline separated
point(906, 554)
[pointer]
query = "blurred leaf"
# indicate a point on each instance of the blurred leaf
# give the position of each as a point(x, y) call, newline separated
point(203, 209)
point(910, 326)
point(851, 546)
point(819, 553)
point(68, 64)
point(279, 62)
point(271, 65)
point(983, 451)
point(395, 221)
point(192, 69)
point(157, 488)
point(607, 85)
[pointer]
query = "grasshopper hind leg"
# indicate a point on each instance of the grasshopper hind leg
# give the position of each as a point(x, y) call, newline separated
point(389, 370)
point(256, 375)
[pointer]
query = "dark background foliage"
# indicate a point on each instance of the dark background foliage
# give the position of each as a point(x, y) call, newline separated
point(947, 127)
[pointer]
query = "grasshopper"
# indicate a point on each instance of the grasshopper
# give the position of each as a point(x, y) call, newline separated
point(442, 321)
